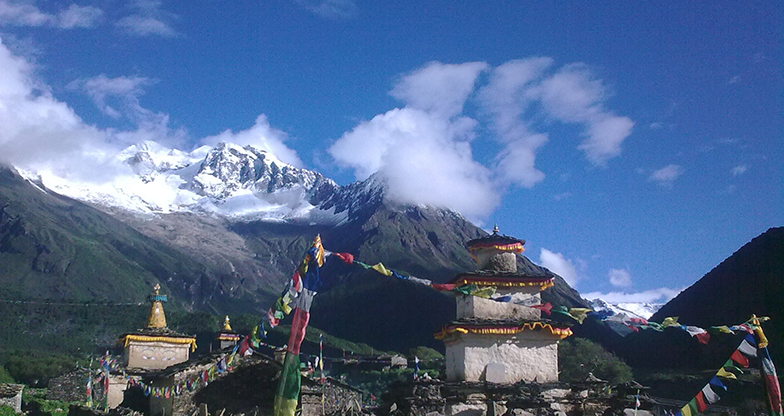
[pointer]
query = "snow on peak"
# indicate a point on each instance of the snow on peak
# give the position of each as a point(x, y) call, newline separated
point(227, 180)
point(633, 309)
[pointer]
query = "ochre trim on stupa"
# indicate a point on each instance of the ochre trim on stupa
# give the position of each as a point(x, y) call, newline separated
point(504, 282)
point(169, 340)
point(561, 333)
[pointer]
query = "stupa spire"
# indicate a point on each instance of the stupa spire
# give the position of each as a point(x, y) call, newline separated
point(227, 324)
point(157, 318)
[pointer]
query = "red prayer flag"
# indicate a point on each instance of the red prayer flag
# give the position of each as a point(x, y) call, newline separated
point(442, 287)
point(700, 400)
point(347, 258)
point(740, 359)
point(546, 308)
point(298, 326)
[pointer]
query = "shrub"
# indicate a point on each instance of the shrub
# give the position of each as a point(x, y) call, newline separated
point(577, 357)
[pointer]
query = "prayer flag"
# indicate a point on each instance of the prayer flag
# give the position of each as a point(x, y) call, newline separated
point(686, 410)
point(670, 321)
point(771, 383)
point(702, 335)
point(747, 349)
point(715, 382)
point(381, 269)
point(347, 258)
point(484, 292)
point(288, 389)
point(287, 394)
point(710, 396)
point(739, 358)
point(442, 287)
point(726, 374)
point(579, 314)
point(425, 282)
point(724, 329)
point(546, 308)
point(700, 402)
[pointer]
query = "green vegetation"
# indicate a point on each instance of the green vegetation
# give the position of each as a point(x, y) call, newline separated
point(425, 354)
point(577, 357)
point(37, 368)
point(7, 411)
point(5, 377)
point(36, 398)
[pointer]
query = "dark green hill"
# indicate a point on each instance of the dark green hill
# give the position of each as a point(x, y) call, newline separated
point(751, 281)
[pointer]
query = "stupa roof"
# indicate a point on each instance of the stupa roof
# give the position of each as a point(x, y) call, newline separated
point(497, 241)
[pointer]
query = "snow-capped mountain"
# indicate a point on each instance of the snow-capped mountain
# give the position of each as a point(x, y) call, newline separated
point(227, 180)
point(633, 309)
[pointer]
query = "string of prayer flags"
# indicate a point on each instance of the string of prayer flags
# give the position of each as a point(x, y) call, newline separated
point(749, 348)
point(287, 394)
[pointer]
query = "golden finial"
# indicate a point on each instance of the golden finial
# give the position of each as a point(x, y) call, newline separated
point(156, 318)
point(226, 324)
point(495, 229)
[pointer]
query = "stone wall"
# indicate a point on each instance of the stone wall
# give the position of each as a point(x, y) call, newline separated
point(527, 356)
point(476, 307)
point(11, 396)
point(155, 355)
point(69, 387)
point(436, 398)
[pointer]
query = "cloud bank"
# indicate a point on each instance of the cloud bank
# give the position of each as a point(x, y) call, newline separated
point(430, 136)
point(43, 134)
point(559, 265)
point(660, 295)
point(27, 13)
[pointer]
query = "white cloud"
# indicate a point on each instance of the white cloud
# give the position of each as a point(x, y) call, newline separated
point(27, 13)
point(148, 19)
point(739, 170)
point(666, 176)
point(659, 295)
point(574, 95)
point(423, 158)
point(422, 151)
point(262, 136)
point(330, 9)
point(44, 135)
point(620, 277)
point(430, 136)
point(440, 89)
point(79, 17)
point(37, 128)
point(126, 89)
point(562, 196)
point(571, 94)
point(560, 265)
point(506, 98)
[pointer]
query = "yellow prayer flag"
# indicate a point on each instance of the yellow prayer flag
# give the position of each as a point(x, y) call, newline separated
point(725, 374)
point(484, 292)
point(579, 314)
point(724, 329)
point(381, 269)
point(686, 410)
point(670, 321)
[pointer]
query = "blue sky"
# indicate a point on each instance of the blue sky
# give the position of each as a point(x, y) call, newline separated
point(634, 146)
